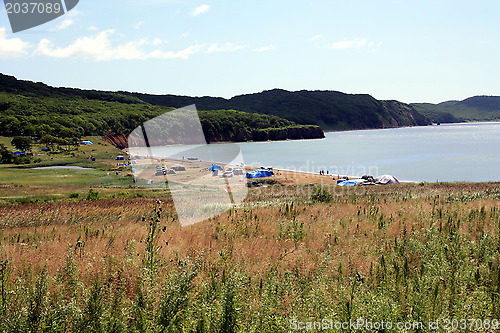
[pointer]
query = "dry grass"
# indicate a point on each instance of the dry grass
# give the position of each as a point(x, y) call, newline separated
point(46, 231)
point(317, 252)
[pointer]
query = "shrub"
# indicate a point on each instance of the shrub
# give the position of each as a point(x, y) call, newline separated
point(320, 194)
point(92, 195)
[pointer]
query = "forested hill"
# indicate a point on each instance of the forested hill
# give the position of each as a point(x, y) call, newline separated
point(10, 84)
point(477, 108)
point(26, 107)
point(329, 109)
point(65, 114)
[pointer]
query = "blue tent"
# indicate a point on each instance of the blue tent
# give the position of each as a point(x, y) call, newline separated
point(259, 173)
point(215, 167)
point(352, 182)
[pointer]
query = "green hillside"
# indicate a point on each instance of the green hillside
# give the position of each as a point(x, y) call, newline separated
point(329, 109)
point(35, 109)
point(117, 112)
point(477, 108)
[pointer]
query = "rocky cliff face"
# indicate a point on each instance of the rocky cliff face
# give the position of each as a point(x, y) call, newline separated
point(118, 140)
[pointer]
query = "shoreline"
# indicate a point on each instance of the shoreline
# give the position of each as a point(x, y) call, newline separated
point(433, 124)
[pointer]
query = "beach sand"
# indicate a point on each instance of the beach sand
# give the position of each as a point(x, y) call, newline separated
point(196, 172)
point(287, 177)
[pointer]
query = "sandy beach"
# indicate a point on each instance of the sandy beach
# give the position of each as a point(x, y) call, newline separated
point(196, 171)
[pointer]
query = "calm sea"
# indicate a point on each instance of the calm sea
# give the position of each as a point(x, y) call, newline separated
point(451, 152)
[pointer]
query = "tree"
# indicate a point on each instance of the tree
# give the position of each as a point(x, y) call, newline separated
point(48, 140)
point(22, 143)
point(6, 156)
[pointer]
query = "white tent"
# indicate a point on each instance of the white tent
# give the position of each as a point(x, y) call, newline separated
point(386, 179)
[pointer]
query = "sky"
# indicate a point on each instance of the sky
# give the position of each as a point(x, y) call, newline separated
point(411, 51)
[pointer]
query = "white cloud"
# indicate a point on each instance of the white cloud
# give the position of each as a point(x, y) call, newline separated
point(99, 47)
point(350, 44)
point(183, 54)
point(73, 13)
point(71, 17)
point(265, 48)
point(64, 25)
point(200, 9)
point(92, 28)
point(315, 37)
point(158, 42)
point(227, 47)
point(138, 24)
point(11, 47)
point(360, 43)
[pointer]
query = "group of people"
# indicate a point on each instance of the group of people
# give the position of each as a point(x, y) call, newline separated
point(322, 172)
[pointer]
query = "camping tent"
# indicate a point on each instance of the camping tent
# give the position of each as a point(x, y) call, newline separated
point(259, 173)
point(119, 157)
point(87, 142)
point(352, 182)
point(215, 167)
point(386, 179)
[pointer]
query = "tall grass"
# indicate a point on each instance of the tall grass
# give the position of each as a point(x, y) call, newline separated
point(404, 253)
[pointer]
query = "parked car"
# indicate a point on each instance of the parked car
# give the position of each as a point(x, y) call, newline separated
point(179, 168)
point(238, 172)
point(226, 174)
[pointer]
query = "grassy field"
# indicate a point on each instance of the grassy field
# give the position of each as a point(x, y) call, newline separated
point(290, 255)
point(21, 183)
point(87, 251)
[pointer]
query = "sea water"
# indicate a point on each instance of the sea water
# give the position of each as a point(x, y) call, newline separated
point(450, 152)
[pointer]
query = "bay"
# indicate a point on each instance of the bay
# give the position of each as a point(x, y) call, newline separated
point(449, 152)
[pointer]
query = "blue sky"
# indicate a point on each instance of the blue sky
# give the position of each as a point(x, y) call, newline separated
point(418, 51)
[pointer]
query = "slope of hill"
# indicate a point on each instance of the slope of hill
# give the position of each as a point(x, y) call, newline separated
point(329, 109)
point(28, 108)
point(477, 108)
point(10, 84)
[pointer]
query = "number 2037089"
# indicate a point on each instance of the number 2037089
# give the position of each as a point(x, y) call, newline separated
point(33, 8)
point(471, 324)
